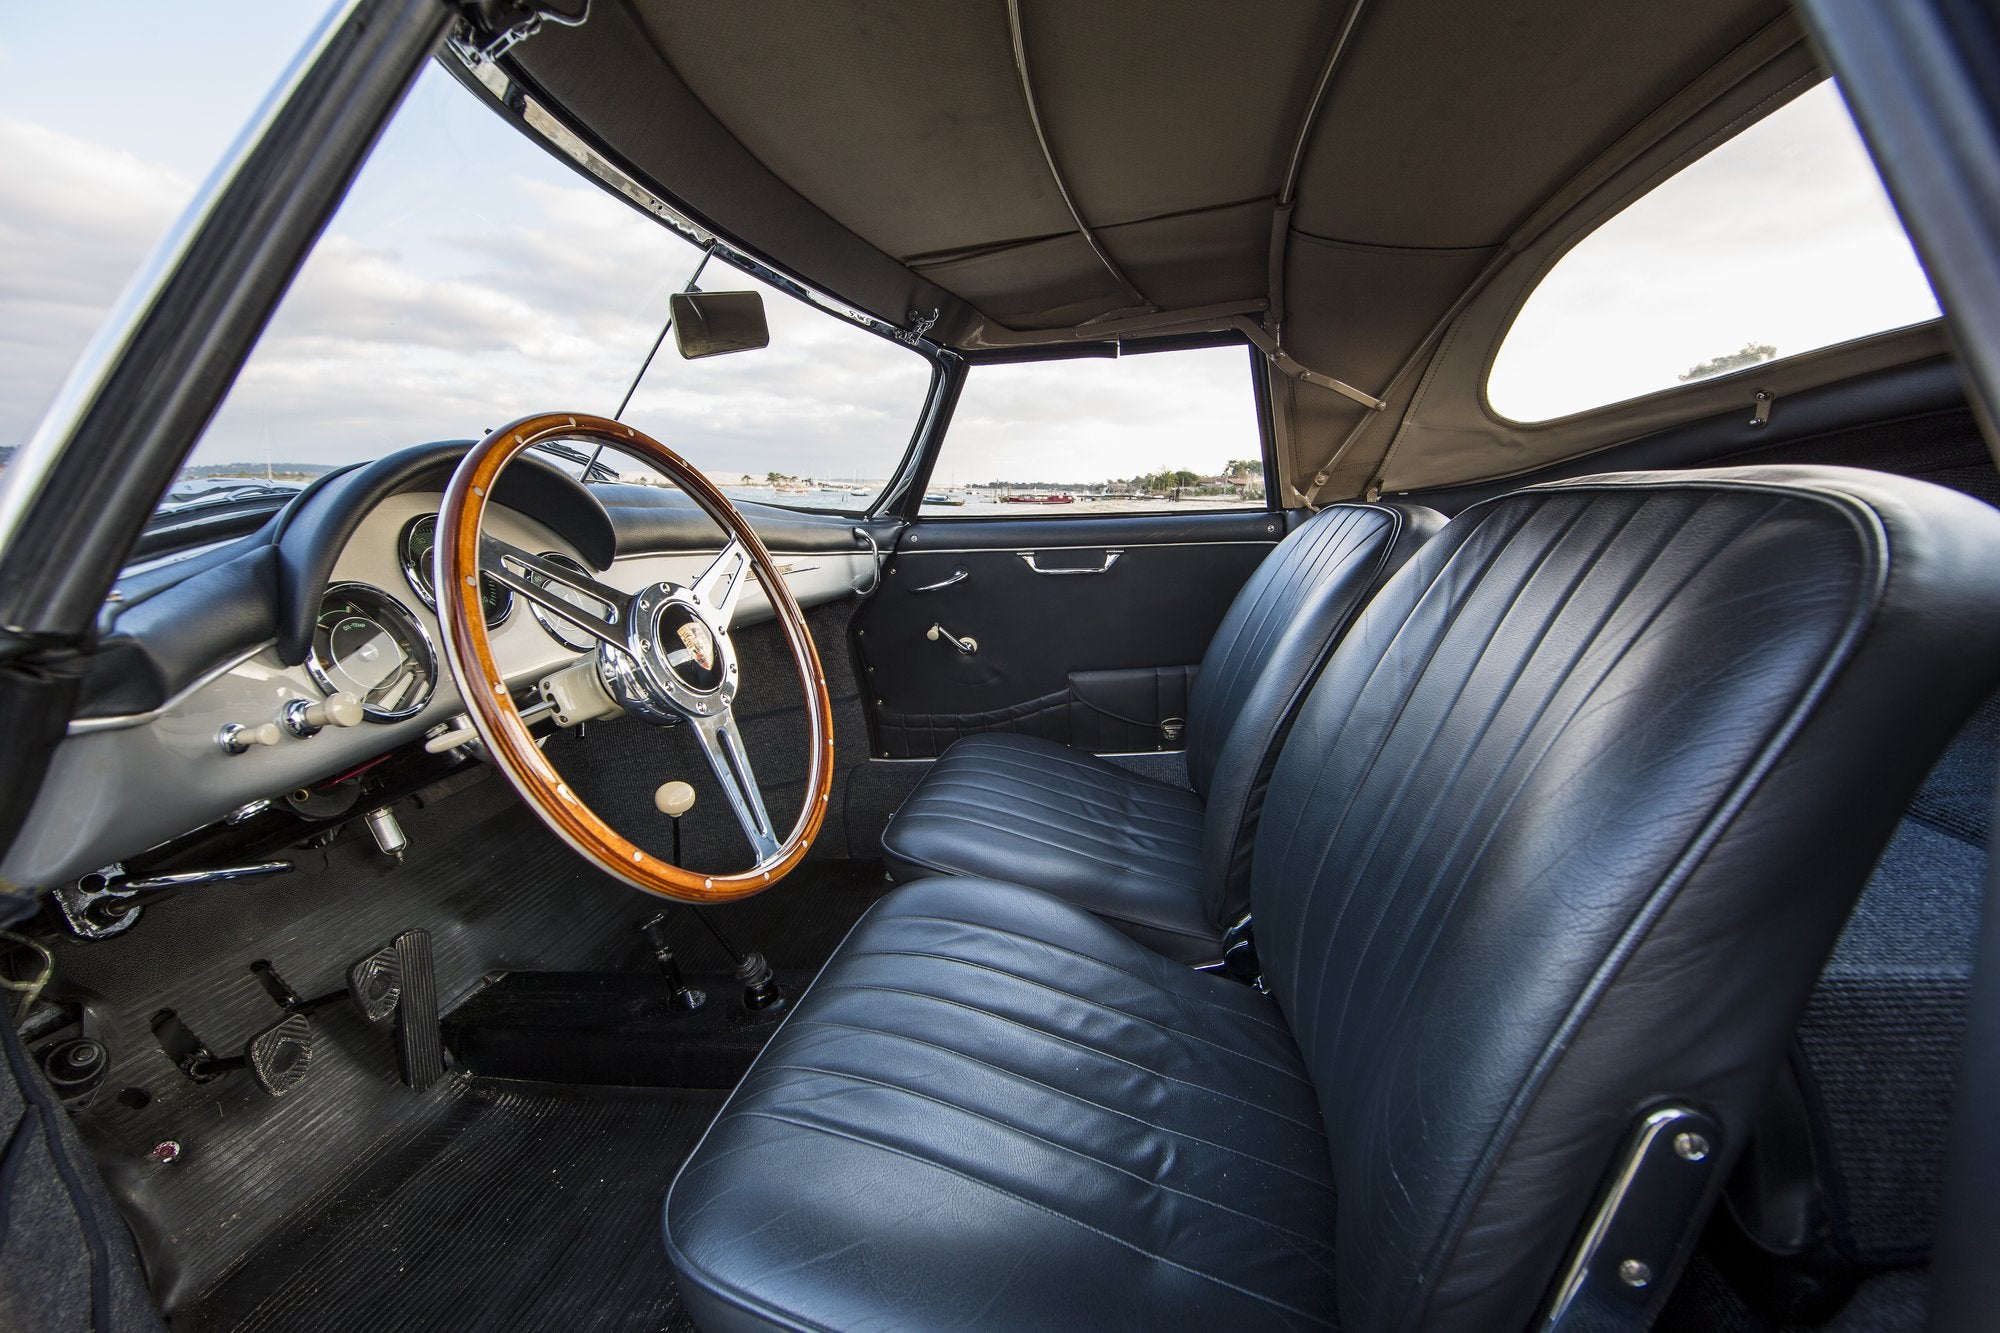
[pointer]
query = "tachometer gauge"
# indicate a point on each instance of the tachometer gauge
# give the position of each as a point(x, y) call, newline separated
point(564, 633)
point(416, 549)
point(365, 643)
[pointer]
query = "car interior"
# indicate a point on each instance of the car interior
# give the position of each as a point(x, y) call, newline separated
point(1508, 853)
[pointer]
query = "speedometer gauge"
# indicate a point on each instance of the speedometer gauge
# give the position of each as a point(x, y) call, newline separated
point(416, 550)
point(365, 643)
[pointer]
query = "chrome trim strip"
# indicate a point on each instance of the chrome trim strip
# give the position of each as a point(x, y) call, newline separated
point(83, 726)
point(1078, 546)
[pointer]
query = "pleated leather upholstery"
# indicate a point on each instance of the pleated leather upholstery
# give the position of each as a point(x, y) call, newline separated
point(1569, 825)
point(1268, 650)
point(1169, 866)
point(1563, 832)
point(1118, 844)
point(988, 1092)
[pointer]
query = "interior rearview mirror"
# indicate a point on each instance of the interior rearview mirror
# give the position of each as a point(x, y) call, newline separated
point(712, 323)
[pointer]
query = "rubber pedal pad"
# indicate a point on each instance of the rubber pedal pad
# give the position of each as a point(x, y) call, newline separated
point(279, 1056)
point(376, 983)
point(419, 1037)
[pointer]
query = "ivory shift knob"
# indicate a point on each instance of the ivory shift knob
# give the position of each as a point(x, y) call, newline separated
point(674, 799)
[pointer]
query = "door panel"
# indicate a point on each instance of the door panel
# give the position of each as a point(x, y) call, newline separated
point(1086, 630)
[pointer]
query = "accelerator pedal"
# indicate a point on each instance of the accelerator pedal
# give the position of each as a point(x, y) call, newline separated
point(375, 983)
point(419, 1040)
point(279, 1056)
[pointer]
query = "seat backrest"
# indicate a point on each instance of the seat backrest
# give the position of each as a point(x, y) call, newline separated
point(1271, 644)
point(1568, 825)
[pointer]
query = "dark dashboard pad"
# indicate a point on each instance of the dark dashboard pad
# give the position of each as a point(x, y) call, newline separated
point(1083, 630)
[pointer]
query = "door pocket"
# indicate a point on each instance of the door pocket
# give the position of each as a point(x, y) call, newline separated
point(1107, 712)
point(1142, 708)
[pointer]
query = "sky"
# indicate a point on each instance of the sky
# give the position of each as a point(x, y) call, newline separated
point(470, 278)
point(1781, 236)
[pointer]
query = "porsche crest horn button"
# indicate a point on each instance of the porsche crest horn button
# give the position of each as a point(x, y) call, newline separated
point(700, 644)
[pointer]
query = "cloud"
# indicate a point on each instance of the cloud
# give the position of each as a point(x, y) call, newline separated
point(469, 280)
point(75, 221)
point(1781, 236)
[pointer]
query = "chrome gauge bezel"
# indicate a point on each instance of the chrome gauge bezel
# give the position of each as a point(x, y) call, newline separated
point(388, 609)
point(420, 583)
point(564, 633)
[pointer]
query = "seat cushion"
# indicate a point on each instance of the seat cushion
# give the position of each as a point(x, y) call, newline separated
point(991, 1109)
point(1034, 812)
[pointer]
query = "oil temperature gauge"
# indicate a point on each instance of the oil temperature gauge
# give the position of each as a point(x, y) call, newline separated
point(365, 643)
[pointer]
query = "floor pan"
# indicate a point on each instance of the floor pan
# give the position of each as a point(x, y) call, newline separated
point(519, 1206)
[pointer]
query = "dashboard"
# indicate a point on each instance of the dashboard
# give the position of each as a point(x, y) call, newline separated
point(125, 781)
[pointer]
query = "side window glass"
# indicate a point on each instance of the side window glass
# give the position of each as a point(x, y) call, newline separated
point(1779, 242)
point(1145, 432)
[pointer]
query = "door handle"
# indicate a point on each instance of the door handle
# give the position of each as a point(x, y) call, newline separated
point(959, 575)
point(1110, 559)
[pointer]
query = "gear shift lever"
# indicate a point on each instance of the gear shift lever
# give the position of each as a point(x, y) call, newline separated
point(673, 800)
point(761, 987)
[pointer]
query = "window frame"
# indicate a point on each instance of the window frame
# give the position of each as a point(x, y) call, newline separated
point(1744, 376)
point(935, 440)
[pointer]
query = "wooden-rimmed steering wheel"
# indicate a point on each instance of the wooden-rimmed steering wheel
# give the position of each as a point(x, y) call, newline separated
point(663, 654)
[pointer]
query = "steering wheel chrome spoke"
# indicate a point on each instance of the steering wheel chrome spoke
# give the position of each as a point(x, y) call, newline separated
point(597, 609)
point(722, 744)
point(720, 586)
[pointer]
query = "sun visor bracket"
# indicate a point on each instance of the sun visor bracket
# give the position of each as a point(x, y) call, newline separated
point(505, 24)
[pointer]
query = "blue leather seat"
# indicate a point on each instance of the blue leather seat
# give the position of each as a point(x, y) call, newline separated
point(1167, 865)
point(1561, 835)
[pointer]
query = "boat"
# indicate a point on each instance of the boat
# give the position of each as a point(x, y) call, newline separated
point(1054, 498)
point(936, 498)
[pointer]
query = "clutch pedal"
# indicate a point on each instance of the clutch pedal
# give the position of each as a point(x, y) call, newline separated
point(277, 1058)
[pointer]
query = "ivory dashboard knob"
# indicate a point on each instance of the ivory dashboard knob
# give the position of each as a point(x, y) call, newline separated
point(305, 718)
point(235, 738)
point(339, 710)
point(674, 799)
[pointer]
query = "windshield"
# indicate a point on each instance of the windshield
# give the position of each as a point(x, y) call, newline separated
point(470, 277)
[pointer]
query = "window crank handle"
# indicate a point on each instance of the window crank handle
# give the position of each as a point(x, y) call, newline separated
point(938, 633)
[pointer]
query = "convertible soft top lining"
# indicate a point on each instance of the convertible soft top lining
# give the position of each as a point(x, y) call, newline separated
point(888, 152)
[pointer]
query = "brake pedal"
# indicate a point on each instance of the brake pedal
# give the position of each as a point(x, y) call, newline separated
point(279, 1056)
point(376, 983)
point(419, 1039)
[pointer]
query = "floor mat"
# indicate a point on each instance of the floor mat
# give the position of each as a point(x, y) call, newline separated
point(521, 1206)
